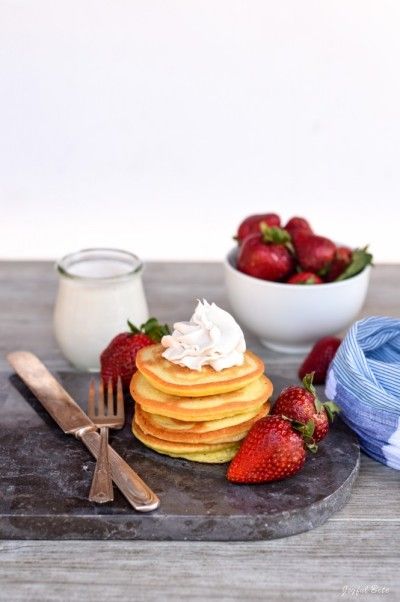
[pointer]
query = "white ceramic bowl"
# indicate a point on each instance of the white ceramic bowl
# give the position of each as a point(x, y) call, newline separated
point(291, 317)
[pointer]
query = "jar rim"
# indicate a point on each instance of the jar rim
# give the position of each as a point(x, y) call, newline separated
point(64, 265)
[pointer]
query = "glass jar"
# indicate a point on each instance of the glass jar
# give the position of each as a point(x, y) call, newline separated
point(99, 290)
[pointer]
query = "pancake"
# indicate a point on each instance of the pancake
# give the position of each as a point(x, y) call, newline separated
point(210, 454)
point(198, 409)
point(225, 430)
point(183, 382)
point(217, 457)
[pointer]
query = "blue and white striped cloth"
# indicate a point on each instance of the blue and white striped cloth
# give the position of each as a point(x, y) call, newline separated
point(364, 380)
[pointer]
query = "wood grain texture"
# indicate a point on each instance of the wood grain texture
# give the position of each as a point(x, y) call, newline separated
point(314, 566)
point(358, 547)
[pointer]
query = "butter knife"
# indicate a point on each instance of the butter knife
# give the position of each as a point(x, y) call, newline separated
point(73, 421)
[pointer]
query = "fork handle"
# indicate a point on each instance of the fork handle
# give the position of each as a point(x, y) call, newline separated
point(138, 494)
point(102, 490)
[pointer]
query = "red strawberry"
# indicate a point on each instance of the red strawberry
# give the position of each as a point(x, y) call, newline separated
point(319, 358)
point(298, 224)
point(252, 224)
point(118, 359)
point(302, 405)
point(341, 260)
point(314, 253)
point(272, 450)
point(265, 255)
point(305, 278)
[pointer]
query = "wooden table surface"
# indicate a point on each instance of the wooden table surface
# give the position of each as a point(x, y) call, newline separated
point(357, 548)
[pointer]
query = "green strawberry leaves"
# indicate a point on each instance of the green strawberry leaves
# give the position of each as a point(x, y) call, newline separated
point(307, 431)
point(329, 406)
point(154, 330)
point(331, 409)
point(308, 385)
point(277, 236)
point(274, 234)
point(360, 259)
point(133, 328)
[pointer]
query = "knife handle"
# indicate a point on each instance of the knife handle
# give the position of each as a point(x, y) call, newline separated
point(101, 490)
point(138, 494)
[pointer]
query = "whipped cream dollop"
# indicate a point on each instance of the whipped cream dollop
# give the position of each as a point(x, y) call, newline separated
point(212, 337)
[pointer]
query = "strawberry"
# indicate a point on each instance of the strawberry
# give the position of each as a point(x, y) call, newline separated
point(266, 255)
point(118, 359)
point(298, 224)
point(272, 450)
point(302, 405)
point(314, 253)
point(305, 278)
point(319, 358)
point(341, 260)
point(252, 224)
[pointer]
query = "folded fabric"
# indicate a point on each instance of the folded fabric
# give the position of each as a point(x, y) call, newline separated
point(364, 380)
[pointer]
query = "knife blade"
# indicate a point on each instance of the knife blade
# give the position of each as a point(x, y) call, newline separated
point(73, 420)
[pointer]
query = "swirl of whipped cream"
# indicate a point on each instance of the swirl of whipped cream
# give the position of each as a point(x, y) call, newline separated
point(211, 337)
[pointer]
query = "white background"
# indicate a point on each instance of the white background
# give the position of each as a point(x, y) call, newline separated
point(157, 125)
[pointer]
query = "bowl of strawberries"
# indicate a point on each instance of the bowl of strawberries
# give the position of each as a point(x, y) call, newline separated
point(290, 286)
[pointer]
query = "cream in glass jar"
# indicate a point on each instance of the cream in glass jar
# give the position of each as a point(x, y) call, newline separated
point(99, 290)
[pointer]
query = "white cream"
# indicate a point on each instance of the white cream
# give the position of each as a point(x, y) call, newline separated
point(212, 337)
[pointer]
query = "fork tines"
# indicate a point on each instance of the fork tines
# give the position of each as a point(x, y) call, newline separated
point(102, 405)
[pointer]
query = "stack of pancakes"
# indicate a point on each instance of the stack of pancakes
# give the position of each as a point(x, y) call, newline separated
point(198, 415)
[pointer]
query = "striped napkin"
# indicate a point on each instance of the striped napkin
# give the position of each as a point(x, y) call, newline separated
point(364, 380)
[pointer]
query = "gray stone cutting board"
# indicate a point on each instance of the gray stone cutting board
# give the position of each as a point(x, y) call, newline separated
point(46, 475)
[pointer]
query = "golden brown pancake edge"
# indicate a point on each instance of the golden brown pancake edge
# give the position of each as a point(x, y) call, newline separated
point(227, 434)
point(209, 382)
point(230, 404)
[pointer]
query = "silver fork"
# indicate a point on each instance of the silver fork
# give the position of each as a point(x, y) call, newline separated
point(107, 413)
